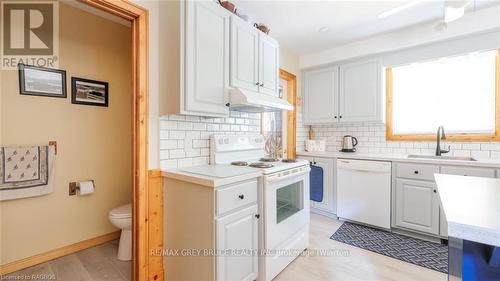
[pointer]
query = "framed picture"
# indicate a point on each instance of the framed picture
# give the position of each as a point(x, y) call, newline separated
point(41, 81)
point(89, 92)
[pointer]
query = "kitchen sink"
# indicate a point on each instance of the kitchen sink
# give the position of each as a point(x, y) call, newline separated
point(442, 157)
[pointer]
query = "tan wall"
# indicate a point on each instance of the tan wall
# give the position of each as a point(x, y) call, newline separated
point(93, 142)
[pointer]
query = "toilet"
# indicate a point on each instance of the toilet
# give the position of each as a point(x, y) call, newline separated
point(121, 217)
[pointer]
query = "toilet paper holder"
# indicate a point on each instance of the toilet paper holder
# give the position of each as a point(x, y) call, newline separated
point(74, 186)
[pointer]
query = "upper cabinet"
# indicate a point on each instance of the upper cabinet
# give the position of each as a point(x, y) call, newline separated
point(321, 96)
point(346, 93)
point(268, 65)
point(207, 58)
point(254, 59)
point(203, 50)
point(244, 55)
point(360, 97)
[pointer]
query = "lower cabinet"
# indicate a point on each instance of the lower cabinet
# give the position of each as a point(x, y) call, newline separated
point(329, 204)
point(417, 206)
point(235, 232)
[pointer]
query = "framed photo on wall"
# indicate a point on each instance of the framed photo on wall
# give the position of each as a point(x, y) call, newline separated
point(41, 81)
point(89, 92)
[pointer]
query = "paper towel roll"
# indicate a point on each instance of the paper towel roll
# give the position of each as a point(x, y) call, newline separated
point(86, 187)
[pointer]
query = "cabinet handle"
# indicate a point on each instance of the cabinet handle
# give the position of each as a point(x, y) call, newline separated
point(262, 85)
point(257, 216)
point(415, 172)
point(228, 104)
point(257, 84)
point(241, 196)
point(335, 117)
point(340, 116)
point(435, 191)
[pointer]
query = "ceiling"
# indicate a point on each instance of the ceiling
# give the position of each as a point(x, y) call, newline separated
point(296, 24)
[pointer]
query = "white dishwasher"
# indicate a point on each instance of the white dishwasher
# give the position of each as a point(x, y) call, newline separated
point(364, 191)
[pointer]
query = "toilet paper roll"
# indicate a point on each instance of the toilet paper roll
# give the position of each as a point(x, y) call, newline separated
point(86, 187)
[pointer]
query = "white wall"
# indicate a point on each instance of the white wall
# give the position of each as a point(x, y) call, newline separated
point(482, 20)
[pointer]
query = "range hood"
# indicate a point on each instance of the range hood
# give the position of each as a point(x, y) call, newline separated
point(249, 101)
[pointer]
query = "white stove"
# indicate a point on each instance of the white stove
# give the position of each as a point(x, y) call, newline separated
point(283, 199)
point(248, 150)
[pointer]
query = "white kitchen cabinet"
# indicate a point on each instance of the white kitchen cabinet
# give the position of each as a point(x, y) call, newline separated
point(321, 96)
point(218, 219)
point(238, 231)
point(329, 204)
point(443, 223)
point(468, 171)
point(207, 58)
point(194, 58)
point(360, 96)
point(254, 59)
point(417, 206)
point(244, 55)
point(345, 93)
point(268, 65)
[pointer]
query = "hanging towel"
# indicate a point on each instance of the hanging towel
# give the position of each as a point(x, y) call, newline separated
point(25, 171)
point(316, 182)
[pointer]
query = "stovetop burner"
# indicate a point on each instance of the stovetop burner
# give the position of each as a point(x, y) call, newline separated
point(261, 165)
point(289, 160)
point(239, 163)
point(269, 159)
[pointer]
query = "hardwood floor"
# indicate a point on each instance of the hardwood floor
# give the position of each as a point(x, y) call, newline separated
point(98, 263)
point(352, 263)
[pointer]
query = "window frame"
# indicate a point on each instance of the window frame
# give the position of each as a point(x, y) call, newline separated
point(449, 137)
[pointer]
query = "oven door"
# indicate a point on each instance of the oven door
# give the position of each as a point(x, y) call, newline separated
point(286, 205)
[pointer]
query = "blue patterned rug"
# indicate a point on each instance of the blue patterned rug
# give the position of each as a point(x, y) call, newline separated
point(420, 252)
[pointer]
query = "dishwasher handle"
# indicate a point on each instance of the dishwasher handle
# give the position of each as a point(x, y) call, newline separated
point(364, 166)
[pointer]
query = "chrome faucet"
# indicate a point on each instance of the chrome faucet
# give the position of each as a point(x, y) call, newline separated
point(441, 136)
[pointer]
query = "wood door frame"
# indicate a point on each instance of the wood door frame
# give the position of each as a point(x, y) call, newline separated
point(139, 18)
point(291, 115)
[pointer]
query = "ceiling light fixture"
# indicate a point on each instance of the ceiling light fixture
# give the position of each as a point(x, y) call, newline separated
point(398, 9)
point(454, 10)
point(324, 29)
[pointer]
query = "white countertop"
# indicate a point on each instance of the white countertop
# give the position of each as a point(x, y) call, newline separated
point(472, 207)
point(213, 175)
point(400, 158)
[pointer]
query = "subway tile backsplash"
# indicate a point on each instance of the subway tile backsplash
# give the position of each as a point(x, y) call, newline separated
point(185, 140)
point(371, 139)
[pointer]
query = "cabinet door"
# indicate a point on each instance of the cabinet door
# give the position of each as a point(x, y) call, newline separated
point(206, 58)
point(238, 231)
point(417, 206)
point(328, 203)
point(468, 171)
point(443, 223)
point(360, 91)
point(268, 65)
point(244, 55)
point(320, 96)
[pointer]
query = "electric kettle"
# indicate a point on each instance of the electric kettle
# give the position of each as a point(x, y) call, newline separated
point(349, 143)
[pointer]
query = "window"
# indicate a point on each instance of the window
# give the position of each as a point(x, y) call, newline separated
point(459, 93)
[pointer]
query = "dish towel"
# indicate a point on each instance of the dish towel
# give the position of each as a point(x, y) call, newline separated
point(316, 182)
point(26, 171)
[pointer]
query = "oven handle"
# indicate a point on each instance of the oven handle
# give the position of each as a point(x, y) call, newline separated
point(293, 175)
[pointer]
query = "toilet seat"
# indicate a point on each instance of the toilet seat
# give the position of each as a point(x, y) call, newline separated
point(121, 212)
